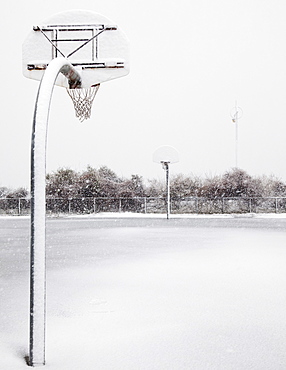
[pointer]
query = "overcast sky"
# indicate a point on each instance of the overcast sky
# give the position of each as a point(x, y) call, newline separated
point(190, 62)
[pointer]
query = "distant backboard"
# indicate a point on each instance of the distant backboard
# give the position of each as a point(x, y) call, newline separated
point(166, 154)
point(94, 45)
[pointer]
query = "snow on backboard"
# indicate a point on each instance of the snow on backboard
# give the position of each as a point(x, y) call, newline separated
point(95, 46)
point(166, 154)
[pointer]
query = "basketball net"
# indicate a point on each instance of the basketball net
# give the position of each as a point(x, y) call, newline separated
point(82, 101)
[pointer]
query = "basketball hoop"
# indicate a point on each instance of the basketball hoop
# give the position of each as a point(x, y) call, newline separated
point(82, 101)
point(75, 49)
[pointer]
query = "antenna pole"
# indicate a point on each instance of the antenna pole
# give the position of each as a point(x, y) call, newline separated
point(236, 135)
point(236, 113)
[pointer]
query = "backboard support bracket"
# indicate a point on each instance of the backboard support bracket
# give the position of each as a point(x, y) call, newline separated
point(95, 30)
point(84, 66)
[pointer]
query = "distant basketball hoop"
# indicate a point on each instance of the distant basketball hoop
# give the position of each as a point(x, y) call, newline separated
point(166, 153)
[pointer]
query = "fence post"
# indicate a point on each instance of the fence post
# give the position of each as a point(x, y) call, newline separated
point(276, 205)
point(250, 205)
point(145, 205)
point(119, 205)
point(222, 205)
point(19, 206)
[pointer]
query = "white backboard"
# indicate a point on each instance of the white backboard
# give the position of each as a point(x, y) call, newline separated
point(166, 154)
point(95, 46)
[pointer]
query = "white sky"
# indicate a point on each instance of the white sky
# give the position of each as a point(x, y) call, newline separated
point(190, 61)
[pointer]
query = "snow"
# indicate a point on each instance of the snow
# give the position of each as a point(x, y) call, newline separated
point(128, 293)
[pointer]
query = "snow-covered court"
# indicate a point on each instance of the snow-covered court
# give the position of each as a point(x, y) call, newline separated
point(205, 293)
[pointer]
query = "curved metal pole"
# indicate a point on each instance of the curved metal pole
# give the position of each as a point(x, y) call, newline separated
point(38, 205)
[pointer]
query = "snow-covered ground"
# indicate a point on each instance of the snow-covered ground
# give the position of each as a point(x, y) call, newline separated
point(146, 293)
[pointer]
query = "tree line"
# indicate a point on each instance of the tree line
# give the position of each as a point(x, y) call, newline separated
point(67, 183)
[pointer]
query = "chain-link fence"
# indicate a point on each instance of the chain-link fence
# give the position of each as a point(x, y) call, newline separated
point(196, 205)
point(15, 206)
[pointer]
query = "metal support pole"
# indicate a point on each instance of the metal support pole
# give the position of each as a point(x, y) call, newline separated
point(38, 206)
point(166, 165)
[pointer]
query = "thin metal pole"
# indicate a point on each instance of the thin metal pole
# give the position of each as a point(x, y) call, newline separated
point(236, 139)
point(167, 188)
point(38, 206)
point(236, 114)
